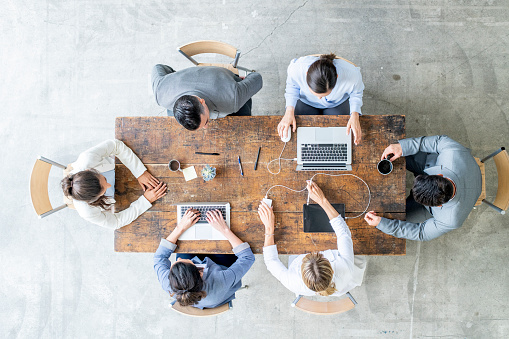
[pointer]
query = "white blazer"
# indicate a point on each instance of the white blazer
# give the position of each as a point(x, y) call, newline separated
point(348, 270)
point(100, 159)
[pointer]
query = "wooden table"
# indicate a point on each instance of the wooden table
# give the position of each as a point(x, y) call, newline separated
point(156, 140)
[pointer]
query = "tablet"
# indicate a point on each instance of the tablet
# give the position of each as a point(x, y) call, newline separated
point(316, 220)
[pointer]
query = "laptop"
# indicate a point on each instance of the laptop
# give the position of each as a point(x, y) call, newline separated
point(324, 149)
point(202, 229)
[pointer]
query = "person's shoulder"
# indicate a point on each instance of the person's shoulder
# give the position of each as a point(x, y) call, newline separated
point(303, 61)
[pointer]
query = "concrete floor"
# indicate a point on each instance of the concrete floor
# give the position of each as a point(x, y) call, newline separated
point(68, 68)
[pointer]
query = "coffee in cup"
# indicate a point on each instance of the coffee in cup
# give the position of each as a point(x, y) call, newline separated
point(384, 166)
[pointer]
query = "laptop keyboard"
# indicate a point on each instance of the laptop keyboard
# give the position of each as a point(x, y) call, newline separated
point(324, 152)
point(203, 210)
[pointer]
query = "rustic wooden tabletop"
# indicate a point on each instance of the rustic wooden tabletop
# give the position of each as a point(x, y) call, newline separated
point(157, 140)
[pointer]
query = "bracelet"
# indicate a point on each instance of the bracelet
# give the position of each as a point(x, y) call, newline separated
point(268, 235)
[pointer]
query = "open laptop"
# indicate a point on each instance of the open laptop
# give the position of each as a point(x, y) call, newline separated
point(324, 149)
point(202, 229)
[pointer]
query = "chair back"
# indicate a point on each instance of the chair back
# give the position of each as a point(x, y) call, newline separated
point(324, 308)
point(39, 187)
point(196, 312)
point(502, 163)
point(210, 46)
point(317, 55)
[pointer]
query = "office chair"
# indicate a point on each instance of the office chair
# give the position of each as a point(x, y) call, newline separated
point(501, 202)
point(196, 312)
point(324, 308)
point(39, 187)
point(216, 47)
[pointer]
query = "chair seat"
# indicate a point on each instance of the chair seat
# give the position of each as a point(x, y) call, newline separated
point(227, 66)
point(483, 175)
point(196, 312)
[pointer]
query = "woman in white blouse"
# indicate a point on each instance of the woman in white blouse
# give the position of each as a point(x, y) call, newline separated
point(91, 183)
point(330, 272)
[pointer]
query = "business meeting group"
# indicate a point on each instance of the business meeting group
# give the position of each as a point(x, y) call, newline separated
point(446, 186)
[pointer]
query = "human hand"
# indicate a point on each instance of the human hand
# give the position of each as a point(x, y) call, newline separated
point(315, 192)
point(153, 194)
point(354, 125)
point(216, 220)
point(392, 149)
point(190, 218)
point(372, 219)
point(266, 214)
point(146, 180)
point(287, 121)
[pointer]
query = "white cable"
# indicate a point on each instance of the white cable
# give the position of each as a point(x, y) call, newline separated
point(332, 175)
point(279, 158)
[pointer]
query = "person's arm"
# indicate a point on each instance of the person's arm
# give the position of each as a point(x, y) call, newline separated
point(355, 99)
point(245, 256)
point(292, 91)
point(113, 147)
point(343, 235)
point(424, 231)
point(111, 220)
point(162, 264)
point(248, 87)
point(431, 144)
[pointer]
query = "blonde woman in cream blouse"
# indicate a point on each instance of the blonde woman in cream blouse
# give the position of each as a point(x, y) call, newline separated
point(91, 183)
point(331, 272)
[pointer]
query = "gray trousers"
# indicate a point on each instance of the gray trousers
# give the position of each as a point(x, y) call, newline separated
point(416, 212)
point(304, 109)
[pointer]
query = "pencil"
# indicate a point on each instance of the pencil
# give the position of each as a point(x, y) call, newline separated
point(240, 166)
point(257, 157)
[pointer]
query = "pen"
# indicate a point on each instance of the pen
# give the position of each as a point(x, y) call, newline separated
point(206, 153)
point(240, 166)
point(257, 157)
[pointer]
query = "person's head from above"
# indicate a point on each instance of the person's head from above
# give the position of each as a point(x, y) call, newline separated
point(186, 282)
point(191, 112)
point(432, 190)
point(317, 274)
point(322, 75)
point(89, 186)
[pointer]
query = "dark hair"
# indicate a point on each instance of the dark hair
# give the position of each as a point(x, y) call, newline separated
point(322, 75)
point(85, 186)
point(188, 110)
point(187, 283)
point(432, 190)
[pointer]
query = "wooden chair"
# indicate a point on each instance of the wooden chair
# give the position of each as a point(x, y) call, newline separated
point(325, 308)
point(216, 47)
point(39, 187)
point(501, 202)
point(317, 55)
point(196, 312)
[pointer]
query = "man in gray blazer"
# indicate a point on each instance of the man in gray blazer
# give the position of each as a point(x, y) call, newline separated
point(447, 186)
point(198, 94)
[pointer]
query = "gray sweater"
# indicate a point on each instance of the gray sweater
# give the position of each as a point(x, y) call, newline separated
point(223, 91)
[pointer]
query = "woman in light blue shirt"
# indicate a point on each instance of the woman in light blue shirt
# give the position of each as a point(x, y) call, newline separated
point(323, 85)
point(202, 283)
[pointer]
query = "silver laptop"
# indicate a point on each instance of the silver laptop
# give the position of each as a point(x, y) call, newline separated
point(202, 230)
point(324, 149)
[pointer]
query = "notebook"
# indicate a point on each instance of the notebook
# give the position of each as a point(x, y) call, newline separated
point(316, 220)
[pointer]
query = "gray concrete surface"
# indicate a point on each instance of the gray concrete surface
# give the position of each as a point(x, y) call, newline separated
point(68, 68)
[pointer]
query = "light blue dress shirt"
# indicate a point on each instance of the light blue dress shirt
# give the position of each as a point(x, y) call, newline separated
point(220, 282)
point(348, 85)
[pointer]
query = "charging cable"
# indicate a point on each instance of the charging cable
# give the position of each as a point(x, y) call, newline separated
point(279, 159)
point(331, 175)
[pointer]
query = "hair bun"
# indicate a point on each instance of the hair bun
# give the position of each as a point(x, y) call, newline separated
point(328, 57)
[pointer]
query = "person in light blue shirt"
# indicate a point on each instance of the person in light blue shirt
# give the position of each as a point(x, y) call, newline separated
point(202, 283)
point(323, 85)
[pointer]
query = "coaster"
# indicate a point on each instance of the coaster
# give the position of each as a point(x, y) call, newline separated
point(189, 173)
